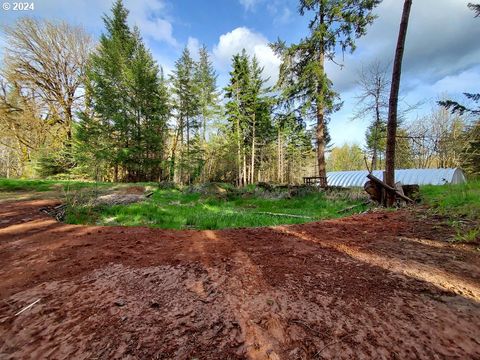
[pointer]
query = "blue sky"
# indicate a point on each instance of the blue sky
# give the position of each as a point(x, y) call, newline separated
point(441, 58)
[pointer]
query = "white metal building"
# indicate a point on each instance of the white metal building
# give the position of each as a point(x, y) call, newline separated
point(405, 176)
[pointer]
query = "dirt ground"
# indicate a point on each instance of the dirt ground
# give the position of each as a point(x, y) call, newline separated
point(374, 286)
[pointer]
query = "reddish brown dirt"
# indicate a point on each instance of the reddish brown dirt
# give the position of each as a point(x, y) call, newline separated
point(373, 286)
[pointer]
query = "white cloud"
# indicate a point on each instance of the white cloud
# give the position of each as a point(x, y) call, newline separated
point(150, 17)
point(441, 40)
point(254, 43)
point(249, 4)
point(193, 46)
point(280, 12)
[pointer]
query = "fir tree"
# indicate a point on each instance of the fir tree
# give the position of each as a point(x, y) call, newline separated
point(185, 89)
point(248, 111)
point(206, 79)
point(125, 124)
point(303, 80)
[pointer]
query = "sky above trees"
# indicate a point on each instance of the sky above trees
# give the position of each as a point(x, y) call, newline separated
point(441, 57)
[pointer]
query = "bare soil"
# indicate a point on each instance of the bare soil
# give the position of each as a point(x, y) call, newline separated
point(382, 285)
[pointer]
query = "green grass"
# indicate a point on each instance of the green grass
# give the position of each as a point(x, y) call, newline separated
point(173, 209)
point(10, 185)
point(459, 205)
point(454, 201)
point(24, 185)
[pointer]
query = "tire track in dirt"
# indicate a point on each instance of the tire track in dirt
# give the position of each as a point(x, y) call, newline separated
point(369, 286)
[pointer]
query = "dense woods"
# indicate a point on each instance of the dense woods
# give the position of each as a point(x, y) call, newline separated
point(72, 108)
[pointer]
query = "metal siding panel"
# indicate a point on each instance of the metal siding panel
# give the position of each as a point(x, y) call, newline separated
point(405, 176)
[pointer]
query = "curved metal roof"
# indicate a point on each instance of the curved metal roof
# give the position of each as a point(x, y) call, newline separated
point(405, 176)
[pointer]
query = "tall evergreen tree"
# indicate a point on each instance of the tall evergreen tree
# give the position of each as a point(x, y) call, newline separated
point(206, 78)
point(235, 108)
point(125, 123)
point(248, 111)
point(302, 74)
point(186, 100)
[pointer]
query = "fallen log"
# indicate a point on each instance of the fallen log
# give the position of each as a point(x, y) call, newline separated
point(353, 207)
point(279, 214)
point(389, 188)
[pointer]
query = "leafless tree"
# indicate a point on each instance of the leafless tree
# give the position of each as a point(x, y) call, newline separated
point(436, 139)
point(48, 59)
point(372, 103)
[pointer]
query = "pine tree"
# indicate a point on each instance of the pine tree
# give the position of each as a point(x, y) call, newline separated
point(258, 109)
point(125, 123)
point(106, 125)
point(235, 109)
point(148, 103)
point(206, 79)
point(185, 89)
point(248, 111)
point(302, 78)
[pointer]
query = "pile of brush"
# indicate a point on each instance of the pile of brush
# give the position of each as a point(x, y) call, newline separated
point(57, 212)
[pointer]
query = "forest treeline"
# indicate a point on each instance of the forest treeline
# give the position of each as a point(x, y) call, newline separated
point(72, 108)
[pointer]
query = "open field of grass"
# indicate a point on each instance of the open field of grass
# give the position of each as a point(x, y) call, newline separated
point(174, 209)
point(249, 207)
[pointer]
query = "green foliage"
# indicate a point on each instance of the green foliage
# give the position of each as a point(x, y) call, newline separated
point(467, 235)
point(454, 201)
point(186, 104)
point(461, 109)
point(470, 156)
point(334, 23)
point(195, 101)
point(248, 111)
point(208, 97)
point(173, 209)
point(124, 127)
point(346, 157)
point(52, 163)
point(10, 185)
point(303, 82)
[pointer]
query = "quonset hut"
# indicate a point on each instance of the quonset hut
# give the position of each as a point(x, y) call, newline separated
point(405, 176)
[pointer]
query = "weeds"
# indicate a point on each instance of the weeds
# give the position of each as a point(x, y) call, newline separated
point(174, 209)
point(454, 201)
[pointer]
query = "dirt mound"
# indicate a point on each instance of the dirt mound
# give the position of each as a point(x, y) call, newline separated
point(380, 285)
point(118, 199)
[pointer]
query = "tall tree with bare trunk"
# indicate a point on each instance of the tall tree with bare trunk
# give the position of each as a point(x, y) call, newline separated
point(303, 80)
point(393, 101)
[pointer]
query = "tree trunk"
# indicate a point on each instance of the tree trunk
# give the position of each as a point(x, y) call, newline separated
point(279, 154)
point(374, 159)
point(320, 133)
point(245, 178)
point(377, 126)
point(252, 166)
point(393, 102)
point(322, 173)
point(188, 152)
point(239, 154)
